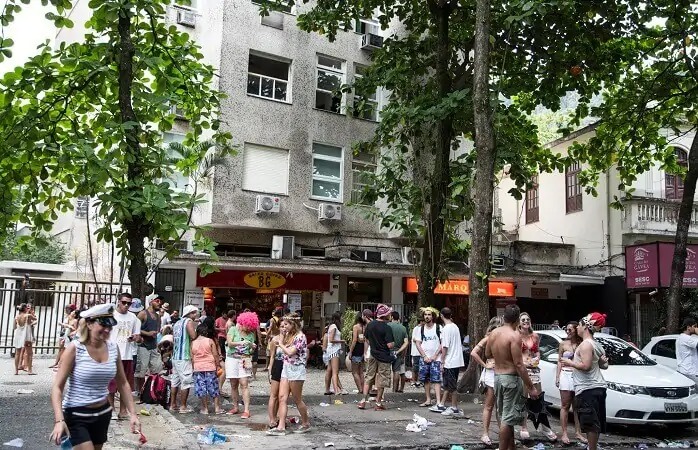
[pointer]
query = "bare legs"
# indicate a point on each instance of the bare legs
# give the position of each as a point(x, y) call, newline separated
point(244, 386)
point(19, 356)
point(332, 374)
point(437, 391)
point(357, 371)
point(28, 357)
point(296, 388)
point(487, 415)
point(234, 393)
point(567, 398)
point(273, 408)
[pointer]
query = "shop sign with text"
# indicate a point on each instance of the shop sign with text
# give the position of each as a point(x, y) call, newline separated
point(649, 265)
point(462, 287)
point(265, 280)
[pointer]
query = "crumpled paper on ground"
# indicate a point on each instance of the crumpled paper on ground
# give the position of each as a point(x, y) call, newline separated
point(420, 424)
point(18, 442)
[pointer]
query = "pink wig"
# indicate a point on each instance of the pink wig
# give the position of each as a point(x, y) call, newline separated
point(248, 320)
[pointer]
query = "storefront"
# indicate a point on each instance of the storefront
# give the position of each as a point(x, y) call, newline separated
point(263, 291)
point(454, 295)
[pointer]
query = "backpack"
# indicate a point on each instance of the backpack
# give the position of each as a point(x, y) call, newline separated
point(156, 391)
point(438, 332)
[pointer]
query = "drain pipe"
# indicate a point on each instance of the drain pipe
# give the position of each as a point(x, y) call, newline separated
point(608, 222)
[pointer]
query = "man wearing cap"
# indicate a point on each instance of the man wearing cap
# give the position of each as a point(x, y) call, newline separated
point(148, 356)
point(380, 338)
point(125, 334)
point(589, 384)
point(165, 318)
point(182, 378)
point(687, 349)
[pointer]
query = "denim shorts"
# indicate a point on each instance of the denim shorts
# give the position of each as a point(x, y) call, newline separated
point(357, 359)
point(431, 372)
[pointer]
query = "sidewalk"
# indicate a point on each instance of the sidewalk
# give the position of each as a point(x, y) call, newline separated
point(344, 425)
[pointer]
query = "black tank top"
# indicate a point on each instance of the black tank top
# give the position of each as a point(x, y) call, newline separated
point(358, 347)
point(151, 324)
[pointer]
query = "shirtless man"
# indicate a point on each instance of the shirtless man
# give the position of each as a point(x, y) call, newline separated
point(510, 376)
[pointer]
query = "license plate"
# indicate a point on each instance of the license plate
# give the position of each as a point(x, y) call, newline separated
point(675, 407)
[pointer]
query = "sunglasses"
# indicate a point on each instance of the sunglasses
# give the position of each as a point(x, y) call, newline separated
point(106, 322)
point(126, 303)
point(525, 320)
point(569, 330)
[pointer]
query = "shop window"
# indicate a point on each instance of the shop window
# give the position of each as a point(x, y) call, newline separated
point(673, 183)
point(364, 292)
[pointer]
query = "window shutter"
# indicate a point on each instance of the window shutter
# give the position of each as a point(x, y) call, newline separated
point(265, 169)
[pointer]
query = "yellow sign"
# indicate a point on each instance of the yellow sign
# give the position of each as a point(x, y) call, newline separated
point(264, 280)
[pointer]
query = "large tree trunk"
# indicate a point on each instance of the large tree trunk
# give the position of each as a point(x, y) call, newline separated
point(479, 310)
point(678, 264)
point(136, 229)
point(431, 268)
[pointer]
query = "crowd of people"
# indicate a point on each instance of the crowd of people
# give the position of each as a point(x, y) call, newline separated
point(112, 349)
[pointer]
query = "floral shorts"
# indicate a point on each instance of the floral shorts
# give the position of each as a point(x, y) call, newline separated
point(206, 384)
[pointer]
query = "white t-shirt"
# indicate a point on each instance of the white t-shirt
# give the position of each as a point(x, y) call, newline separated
point(126, 326)
point(333, 334)
point(165, 319)
point(430, 343)
point(450, 339)
point(687, 354)
point(415, 337)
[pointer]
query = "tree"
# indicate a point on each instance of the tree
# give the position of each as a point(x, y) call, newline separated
point(87, 118)
point(45, 249)
point(657, 91)
point(425, 181)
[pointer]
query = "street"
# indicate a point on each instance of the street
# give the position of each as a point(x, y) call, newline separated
point(29, 417)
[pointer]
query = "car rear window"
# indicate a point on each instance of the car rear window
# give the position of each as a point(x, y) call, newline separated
point(619, 353)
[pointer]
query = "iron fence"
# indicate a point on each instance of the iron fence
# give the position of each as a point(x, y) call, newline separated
point(49, 296)
point(405, 311)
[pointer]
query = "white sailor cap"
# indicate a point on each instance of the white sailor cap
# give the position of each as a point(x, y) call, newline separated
point(103, 311)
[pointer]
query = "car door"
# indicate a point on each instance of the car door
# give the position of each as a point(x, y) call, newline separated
point(548, 368)
point(664, 352)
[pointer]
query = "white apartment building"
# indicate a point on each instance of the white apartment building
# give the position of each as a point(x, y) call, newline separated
point(597, 257)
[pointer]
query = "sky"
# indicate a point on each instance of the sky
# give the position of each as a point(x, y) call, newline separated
point(29, 29)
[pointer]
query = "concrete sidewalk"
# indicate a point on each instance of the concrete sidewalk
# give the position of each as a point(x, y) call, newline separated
point(343, 425)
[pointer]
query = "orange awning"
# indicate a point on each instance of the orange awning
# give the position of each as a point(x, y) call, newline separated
point(462, 287)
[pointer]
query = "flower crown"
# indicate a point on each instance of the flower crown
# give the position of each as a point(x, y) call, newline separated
point(433, 310)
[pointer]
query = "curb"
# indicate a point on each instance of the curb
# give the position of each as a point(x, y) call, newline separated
point(174, 427)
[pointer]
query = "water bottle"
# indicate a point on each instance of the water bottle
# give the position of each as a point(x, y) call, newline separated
point(65, 443)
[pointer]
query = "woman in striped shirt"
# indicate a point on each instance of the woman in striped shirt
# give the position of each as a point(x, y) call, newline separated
point(83, 414)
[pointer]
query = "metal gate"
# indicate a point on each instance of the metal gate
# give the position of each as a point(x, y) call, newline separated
point(169, 285)
point(49, 296)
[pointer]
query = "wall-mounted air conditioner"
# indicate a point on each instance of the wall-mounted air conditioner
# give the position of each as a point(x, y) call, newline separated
point(329, 211)
point(282, 247)
point(267, 204)
point(186, 18)
point(370, 41)
point(275, 19)
point(411, 255)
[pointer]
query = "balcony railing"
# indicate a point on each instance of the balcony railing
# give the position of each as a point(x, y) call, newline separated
point(655, 216)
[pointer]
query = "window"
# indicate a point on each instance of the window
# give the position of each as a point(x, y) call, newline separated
point(364, 26)
point(268, 77)
point(192, 4)
point(665, 348)
point(330, 77)
point(281, 6)
point(572, 188)
point(362, 167)
point(176, 180)
point(548, 345)
point(620, 353)
point(369, 109)
point(532, 202)
point(327, 172)
point(265, 169)
point(673, 183)
point(81, 207)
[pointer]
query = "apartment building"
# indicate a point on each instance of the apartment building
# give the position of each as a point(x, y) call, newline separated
point(594, 256)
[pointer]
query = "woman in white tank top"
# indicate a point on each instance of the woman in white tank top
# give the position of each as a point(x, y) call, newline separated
point(83, 414)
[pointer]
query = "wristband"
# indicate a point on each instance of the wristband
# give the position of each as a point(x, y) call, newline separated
point(59, 421)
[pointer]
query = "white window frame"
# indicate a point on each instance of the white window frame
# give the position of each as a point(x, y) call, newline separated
point(370, 166)
point(171, 179)
point(342, 76)
point(288, 82)
point(193, 7)
point(375, 101)
point(314, 177)
point(374, 23)
point(246, 148)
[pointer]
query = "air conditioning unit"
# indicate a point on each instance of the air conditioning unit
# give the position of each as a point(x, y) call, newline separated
point(177, 111)
point(267, 204)
point(411, 255)
point(328, 211)
point(275, 19)
point(370, 41)
point(282, 247)
point(186, 18)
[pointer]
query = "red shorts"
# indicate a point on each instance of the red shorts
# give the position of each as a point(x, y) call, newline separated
point(128, 370)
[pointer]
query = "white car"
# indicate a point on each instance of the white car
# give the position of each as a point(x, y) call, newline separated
point(663, 350)
point(640, 391)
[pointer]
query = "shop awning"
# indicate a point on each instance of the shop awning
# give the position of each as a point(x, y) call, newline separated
point(462, 287)
point(265, 280)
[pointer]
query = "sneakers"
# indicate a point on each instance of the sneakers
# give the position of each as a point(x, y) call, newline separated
point(437, 408)
point(276, 432)
point(451, 411)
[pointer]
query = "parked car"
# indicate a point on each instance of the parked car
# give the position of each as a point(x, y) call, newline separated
point(640, 391)
point(662, 349)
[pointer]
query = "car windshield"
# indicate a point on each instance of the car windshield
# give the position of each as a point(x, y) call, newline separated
point(620, 353)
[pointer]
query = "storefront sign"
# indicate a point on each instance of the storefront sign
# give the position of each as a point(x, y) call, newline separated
point(264, 280)
point(462, 287)
point(194, 297)
point(292, 281)
point(649, 265)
